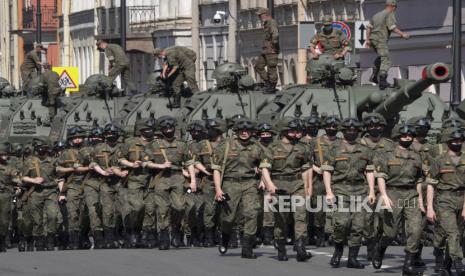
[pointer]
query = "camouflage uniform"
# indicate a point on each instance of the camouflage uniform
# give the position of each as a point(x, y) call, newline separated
point(178, 58)
point(6, 174)
point(50, 80)
point(30, 67)
point(333, 43)
point(119, 65)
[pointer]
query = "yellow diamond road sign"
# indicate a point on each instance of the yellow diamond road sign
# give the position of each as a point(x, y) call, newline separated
point(69, 78)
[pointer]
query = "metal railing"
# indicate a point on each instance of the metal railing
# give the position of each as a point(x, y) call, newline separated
point(49, 18)
point(141, 19)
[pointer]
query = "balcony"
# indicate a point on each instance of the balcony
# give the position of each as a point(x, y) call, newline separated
point(49, 18)
point(141, 19)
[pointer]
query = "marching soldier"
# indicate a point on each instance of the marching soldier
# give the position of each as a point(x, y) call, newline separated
point(378, 33)
point(119, 64)
point(332, 42)
point(7, 173)
point(269, 56)
point(346, 170)
point(285, 174)
point(31, 66)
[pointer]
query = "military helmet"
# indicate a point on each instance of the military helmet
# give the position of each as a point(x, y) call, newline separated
point(75, 131)
point(244, 123)
point(313, 121)
point(331, 120)
point(351, 122)
point(226, 74)
point(265, 127)
point(60, 145)
point(327, 20)
point(232, 120)
point(289, 123)
point(373, 118)
point(96, 132)
point(403, 129)
point(196, 125)
point(166, 121)
point(143, 123)
point(111, 128)
point(453, 122)
point(41, 142)
point(217, 124)
point(8, 90)
point(419, 121)
point(452, 133)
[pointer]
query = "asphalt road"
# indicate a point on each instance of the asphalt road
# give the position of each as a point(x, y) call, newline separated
point(192, 262)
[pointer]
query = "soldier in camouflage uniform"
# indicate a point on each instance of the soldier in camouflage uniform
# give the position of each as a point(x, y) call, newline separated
point(49, 81)
point(234, 171)
point(70, 166)
point(178, 66)
point(284, 174)
point(378, 33)
point(131, 156)
point(39, 172)
point(6, 187)
point(168, 157)
point(445, 198)
point(31, 65)
point(332, 42)
point(269, 56)
point(374, 124)
point(346, 170)
point(119, 64)
point(399, 172)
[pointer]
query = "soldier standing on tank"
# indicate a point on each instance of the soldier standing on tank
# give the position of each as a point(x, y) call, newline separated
point(131, 156)
point(31, 66)
point(331, 41)
point(379, 30)
point(399, 172)
point(178, 66)
point(445, 200)
point(269, 56)
point(7, 173)
point(49, 80)
point(346, 170)
point(119, 64)
point(285, 174)
point(39, 171)
point(169, 156)
point(234, 174)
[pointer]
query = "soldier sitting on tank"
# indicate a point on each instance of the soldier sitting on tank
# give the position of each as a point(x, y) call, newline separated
point(330, 40)
point(50, 90)
point(232, 77)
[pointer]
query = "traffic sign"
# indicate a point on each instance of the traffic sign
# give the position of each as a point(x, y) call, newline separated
point(361, 34)
point(69, 78)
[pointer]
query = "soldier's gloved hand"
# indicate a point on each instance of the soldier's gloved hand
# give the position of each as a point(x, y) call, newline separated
point(431, 215)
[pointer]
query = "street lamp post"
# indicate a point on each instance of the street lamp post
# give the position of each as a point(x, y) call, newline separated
point(38, 23)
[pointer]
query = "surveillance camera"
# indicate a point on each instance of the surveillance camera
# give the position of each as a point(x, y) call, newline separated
point(218, 17)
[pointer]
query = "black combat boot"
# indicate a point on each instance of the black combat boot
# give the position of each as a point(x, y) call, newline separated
point(73, 243)
point(383, 84)
point(176, 103)
point(282, 254)
point(98, 240)
point(50, 243)
point(29, 244)
point(176, 238)
point(2, 244)
point(370, 249)
point(458, 266)
point(417, 260)
point(209, 240)
point(270, 88)
point(39, 243)
point(352, 262)
point(408, 268)
point(374, 76)
point(189, 241)
point(224, 243)
point(144, 240)
point(110, 240)
point(439, 259)
point(378, 254)
point(164, 240)
point(234, 239)
point(268, 235)
point(336, 259)
point(85, 241)
point(21, 243)
point(156, 240)
point(302, 254)
point(247, 251)
point(320, 237)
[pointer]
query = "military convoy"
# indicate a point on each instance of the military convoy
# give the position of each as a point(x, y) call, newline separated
point(333, 90)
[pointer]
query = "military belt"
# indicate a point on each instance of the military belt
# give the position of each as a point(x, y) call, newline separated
point(232, 178)
point(287, 177)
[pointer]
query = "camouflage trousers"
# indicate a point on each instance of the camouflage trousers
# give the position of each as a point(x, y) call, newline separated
point(122, 70)
point(382, 62)
point(294, 188)
point(448, 206)
point(347, 224)
point(27, 75)
point(132, 209)
point(185, 75)
point(150, 214)
point(100, 199)
point(265, 219)
point(5, 207)
point(405, 208)
point(193, 213)
point(210, 205)
point(170, 201)
point(74, 207)
point(240, 191)
point(270, 61)
point(43, 205)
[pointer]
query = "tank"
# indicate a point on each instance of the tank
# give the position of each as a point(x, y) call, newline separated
point(333, 90)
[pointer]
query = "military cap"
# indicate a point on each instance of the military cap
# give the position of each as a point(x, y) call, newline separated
point(331, 120)
point(216, 123)
point(452, 133)
point(373, 118)
point(402, 129)
point(263, 11)
point(327, 20)
point(157, 51)
point(166, 121)
point(75, 131)
point(351, 123)
point(391, 2)
point(265, 127)
point(244, 123)
point(419, 121)
point(313, 121)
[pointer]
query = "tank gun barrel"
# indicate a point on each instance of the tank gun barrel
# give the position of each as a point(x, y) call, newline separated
point(408, 92)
